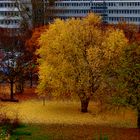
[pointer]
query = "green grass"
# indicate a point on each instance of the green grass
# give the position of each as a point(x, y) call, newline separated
point(73, 132)
point(35, 132)
point(101, 137)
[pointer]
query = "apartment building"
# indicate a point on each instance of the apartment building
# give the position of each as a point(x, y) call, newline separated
point(112, 11)
point(12, 12)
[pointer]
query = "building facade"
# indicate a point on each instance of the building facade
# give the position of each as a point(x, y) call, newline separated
point(112, 11)
point(12, 12)
point(40, 12)
point(9, 14)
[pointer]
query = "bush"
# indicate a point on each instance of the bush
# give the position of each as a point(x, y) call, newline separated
point(7, 125)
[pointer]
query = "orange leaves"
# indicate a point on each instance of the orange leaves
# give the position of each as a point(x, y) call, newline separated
point(33, 44)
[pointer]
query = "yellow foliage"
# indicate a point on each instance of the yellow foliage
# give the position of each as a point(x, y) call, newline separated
point(74, 53)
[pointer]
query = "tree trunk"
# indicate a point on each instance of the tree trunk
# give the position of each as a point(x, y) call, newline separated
point(138, 118)
point(11, 90)
point(22, 86)
point(84, 105)
point(19, 87)
point(31, 80)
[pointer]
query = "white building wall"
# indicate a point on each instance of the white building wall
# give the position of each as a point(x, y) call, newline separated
point(11, 13)
point(113, 11)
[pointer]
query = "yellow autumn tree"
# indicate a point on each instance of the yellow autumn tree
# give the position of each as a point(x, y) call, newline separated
point(74, 54)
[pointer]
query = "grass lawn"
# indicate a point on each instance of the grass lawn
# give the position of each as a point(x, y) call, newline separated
point(33, 111)
point(59, 120)
point(73, 132)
